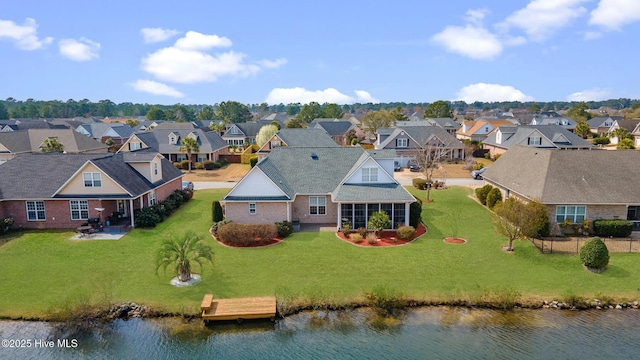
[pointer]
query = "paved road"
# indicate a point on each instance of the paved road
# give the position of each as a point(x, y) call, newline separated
point(198, 185)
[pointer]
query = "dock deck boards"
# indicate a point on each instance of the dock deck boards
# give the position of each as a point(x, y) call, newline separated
point(239, 308)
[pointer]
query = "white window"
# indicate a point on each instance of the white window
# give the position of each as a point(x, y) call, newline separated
point(155, 168)
point(252, 208)
point(202, 158)
point(317, 205)
point(35, 211)
point(369, 174)
point(275, 144)
point(152, 198)
point(575, 214)
point(79, 209)
point(134, 146)
point(234, 131)
point(535, 140)
point(92, 179)
point(403, 142)
point(173, 139)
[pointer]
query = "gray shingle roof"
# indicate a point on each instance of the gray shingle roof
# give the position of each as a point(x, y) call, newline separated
point(30, 140)
point(158, 139)
point(569, 176)
point(371, 192)
point(306, 138)
point(556, 134)
point(334, 128)
point(422, 135)
point(39, 176)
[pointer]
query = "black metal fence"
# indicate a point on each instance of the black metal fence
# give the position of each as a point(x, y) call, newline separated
point(571, 245)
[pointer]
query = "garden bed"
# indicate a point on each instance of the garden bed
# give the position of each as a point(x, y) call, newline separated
point(387, 238)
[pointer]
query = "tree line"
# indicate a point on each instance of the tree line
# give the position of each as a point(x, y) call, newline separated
point(233, 111)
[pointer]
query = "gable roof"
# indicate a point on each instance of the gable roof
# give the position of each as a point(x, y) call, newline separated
point(334, 128)
point(158, 140)
point(568, 177)
point(475, 126)
point(628, 124)
point(295, 172)
point(173, 125)
point(306, 138)
point(561, 137)
point(421, 135)
point(30, 140)
point(599, 121)
point(43, 174)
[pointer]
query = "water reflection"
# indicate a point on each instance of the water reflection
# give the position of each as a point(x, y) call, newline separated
point(361, 333)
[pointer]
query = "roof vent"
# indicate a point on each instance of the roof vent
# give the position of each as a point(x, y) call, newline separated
point(314, 156)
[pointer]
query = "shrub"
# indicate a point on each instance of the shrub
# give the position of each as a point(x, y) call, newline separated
point(538, 211)
point(415, 213)
point(284, 228)
point(186, 195)
point(253, 161)
point(217, 165)
point(362, 231)
point(419, 183)
point(601, 140)
point(216, 211)
point(497, 156)
point(379, 221)
point(199, 166)
point(147, 217)
point(184, 164)
point(355, 237)
point(177, 164)
point(217, 225)
point(594, 254)
point(222, 161)
point(478, 166)
point(481, 193)
point(614, 228)
point(406, 232)
point(246, 234)
point(384, 299)
point(372, 238)
point(493, 197)
point(208, 165)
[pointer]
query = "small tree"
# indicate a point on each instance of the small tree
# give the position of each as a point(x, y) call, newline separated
point(481, 193)
point(515, 220)
point(181, 252)
point(430, 158)
point(189, 145)
point(265, 133)
point(594, 254)
point(493, 197)
point(379, 221)
point(52, 145)
point(217, 211)
point(625, 144)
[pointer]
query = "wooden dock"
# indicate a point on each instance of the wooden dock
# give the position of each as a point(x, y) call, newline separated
point(238, 309)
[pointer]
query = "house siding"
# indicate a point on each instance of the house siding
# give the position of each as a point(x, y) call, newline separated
point(300, 211)
point(266, 212)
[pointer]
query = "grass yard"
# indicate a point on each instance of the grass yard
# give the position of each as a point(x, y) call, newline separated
point(43, 272)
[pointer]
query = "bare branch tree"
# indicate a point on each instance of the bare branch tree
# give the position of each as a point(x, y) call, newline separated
point(430, 158)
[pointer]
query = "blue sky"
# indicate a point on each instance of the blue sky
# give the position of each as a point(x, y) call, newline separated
point(206, 52)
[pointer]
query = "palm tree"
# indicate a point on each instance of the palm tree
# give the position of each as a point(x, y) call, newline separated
point(181, 251)
point(189, 145)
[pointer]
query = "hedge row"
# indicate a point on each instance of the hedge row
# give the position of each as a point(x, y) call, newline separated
point(246, 234)
point(206, 165)
point(152, 215)
point(614, 228)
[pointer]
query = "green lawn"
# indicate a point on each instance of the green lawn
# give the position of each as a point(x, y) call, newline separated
point(41, 272)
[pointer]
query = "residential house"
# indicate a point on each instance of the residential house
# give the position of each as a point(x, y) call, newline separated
point(26, 124)
point(573, 185)
point(540, 136)
point(448, 124)
point(168, 141)
point(238, 134)
point(479, 130)
point(630, 125)
point(65, 190)
point(636, 136)
point(314, 138)
point(336, 129)
point(565, 122)
point(31, 141)
point(410, 142)
point(117, 132)
point(329, 185)
point(602, 124)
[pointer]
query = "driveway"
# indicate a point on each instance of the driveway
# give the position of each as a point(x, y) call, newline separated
point(406, 178)
point(199, 185)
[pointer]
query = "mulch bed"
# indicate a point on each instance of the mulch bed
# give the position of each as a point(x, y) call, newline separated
point(386, 239)
point(257, 243)
point(454, 240)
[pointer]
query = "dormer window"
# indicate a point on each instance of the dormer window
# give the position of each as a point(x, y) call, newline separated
point(173, 138)
point(155, 168)
point(193, 136)
point(370, 174)
point(499, 136)
point(535, 140)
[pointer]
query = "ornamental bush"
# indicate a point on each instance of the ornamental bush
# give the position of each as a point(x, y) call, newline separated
point(285, 228)
point(406, 232)
point(415, 213)
point(216, 210)
point(614, 228)
point(253, 161)
point(184, 164)
point(493, 197)
point(481, 193)
point(246, 234)
point(594, 254)
point(419, 183)
point(218, 225)
point(208, 165)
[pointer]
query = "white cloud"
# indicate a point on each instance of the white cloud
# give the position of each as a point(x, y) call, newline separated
point(186, 62)
point(490, 93)
point(197, 41)
point(156, 88)
point(272, 64)
point(471, 41)
point(590, 95)
point(154, 35)
point(304, 96)
point(25, 36)
point(79, 50)
point(592, 35)
point(613, 14)
point(541, 18)
point(476, 16)
point(365, 97)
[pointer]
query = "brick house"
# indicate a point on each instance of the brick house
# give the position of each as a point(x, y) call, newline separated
point(65, 190)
